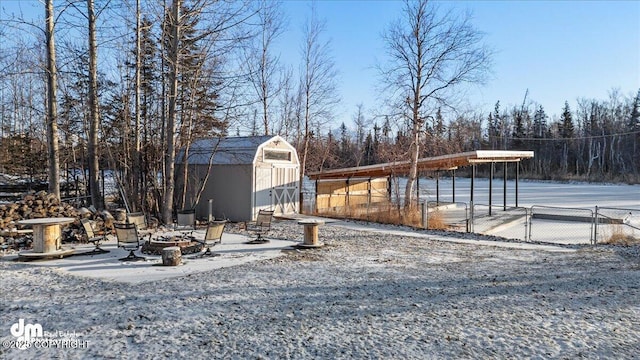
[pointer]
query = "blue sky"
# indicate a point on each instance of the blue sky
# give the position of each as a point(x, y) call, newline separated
point(558, 50)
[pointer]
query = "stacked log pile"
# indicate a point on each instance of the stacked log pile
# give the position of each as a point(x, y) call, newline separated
point(43, 204)
point(32, 206)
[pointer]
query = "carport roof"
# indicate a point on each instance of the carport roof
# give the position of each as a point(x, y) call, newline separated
point(443, 162)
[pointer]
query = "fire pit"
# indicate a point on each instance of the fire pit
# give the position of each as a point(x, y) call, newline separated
point(187, 245)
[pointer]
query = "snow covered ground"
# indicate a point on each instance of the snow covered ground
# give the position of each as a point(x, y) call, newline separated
point(371, 292)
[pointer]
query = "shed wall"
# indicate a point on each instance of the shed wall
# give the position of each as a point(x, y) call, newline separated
point(230, 188)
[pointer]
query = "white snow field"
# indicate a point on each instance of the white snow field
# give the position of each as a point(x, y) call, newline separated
point(371, 292)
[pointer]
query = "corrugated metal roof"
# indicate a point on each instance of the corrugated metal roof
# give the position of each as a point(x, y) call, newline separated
point(226, 151)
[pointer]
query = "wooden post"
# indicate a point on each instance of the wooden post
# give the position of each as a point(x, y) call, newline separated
point(311, 234)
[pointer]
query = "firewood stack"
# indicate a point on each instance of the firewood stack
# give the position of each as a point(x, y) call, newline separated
point(32, 206)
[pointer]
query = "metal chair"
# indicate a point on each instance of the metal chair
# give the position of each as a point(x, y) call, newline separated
point(128, 239)
point(93, 238)
point(138, 219)
point(186, 220)
point(212, 237)
point(260, 227)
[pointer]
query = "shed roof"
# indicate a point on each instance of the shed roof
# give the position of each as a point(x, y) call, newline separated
point(226, 151)
point(444, 162)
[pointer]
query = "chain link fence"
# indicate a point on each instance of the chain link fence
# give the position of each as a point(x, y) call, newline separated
point(617, 225)
point(561, 225)
point(508, 222)
point(546, 224)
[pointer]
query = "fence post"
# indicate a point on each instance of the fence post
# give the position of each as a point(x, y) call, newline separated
point(210, 209)
point(425, 215)
point(595, 228)
point(530, 222)
point(470, 220)
point(526, 221)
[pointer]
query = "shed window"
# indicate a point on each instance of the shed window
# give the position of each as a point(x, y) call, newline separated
point(275, 155)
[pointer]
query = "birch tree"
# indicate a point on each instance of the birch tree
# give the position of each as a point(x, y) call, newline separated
point(317, 84)
point(431, 52)
point(94, 115)
point(52, 108)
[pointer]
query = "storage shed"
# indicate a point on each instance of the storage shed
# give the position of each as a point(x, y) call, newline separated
point(238, 176)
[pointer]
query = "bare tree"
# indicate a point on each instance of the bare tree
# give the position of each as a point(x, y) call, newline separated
point(262, 63)
point(169, 179)
point(431, 52)
point(137, 158)
point(94, 115)
point(360, 123)
point(317, 84)
point(52, 108)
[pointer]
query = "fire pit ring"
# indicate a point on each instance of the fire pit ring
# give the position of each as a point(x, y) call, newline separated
point(187, 245)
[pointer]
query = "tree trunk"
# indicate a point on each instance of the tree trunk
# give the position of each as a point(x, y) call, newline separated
point(169, 176)
point(94, 116)
point(52, 102)
point(137, 168)
point(414, 150)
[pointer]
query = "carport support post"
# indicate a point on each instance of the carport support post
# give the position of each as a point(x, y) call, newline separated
point(504, 190)
point(453, 182)
point(418, 188)
point(491, 187)
point(437, 187)
point(473, 180)
point(316, 202)
point(517, 178)
point(425, 214)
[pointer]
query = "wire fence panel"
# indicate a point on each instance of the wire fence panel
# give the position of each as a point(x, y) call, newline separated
point(617, 225)
point(449, 216)
point(561, 225)
point(495, 220)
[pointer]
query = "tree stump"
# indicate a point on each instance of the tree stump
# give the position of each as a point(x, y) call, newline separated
point(171, 256)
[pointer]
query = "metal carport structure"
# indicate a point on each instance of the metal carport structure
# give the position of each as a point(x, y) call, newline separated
point(449, 162)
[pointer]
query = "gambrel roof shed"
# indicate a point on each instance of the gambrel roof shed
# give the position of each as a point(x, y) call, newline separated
point(238, 176)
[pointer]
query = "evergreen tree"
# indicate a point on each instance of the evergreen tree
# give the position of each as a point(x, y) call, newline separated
point(346, 148)
point(438, 127)
point(519, 119)
point(386, 129)
point(540, 123)
point(369, 150)
point(566, 122)
point(634, 118)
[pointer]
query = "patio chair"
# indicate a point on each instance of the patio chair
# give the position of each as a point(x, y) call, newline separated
point(93, 238)
point(186, 220)
point(212, 237)
point(138, 219)
point(260, 227)
point(129, 239)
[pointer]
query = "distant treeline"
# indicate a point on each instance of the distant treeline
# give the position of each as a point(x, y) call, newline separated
point(597, 141)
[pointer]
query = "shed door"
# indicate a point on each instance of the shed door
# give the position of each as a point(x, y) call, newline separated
point(285, 189)
point(263, 189)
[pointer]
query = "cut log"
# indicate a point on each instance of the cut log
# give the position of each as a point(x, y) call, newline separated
point(171, 256)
